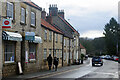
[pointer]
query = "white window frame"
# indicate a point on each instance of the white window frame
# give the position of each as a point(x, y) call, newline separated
point(10, 12)
point(23, 13)
point(33, 18)
point(13, 47)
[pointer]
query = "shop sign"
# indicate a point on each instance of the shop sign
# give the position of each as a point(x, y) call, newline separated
point(30, 36)
point(6, 23)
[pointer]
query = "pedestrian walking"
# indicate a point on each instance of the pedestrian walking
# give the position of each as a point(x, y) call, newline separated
point(56, 60)
point(49, 59)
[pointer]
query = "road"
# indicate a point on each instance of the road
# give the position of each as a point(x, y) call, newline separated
point(108, 70)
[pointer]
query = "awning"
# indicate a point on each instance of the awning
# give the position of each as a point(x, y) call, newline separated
point(11, 36)
point(37, 39)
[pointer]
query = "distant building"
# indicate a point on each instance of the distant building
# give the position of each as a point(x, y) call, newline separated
point(70, 37)
point(82, 49)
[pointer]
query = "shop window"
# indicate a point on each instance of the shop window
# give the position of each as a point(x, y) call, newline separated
point(10, 10)
point(32, 18)
point(32, 51)
point(22, 15)
point(9, 52)
point(45, 54)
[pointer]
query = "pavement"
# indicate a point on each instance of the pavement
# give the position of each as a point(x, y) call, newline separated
point(32, 76)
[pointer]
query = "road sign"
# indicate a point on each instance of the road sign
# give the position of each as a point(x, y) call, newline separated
point(6, 23)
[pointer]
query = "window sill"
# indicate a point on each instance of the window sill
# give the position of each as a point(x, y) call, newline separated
point(8, 63)
point(33, 26)
point(22, 23)
point(32, 60)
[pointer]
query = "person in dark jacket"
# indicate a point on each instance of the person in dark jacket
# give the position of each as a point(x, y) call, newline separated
point(55, 62)
point(49, 59)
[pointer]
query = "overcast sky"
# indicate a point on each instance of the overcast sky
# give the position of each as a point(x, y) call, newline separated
point(86, 16)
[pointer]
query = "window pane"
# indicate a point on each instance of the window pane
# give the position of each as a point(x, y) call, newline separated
point(9, 52)
point(23, 15)
point(33, 18)
point(32, 51)
point(10, 9)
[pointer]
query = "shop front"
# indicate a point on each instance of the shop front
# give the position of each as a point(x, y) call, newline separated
point(11, 46)
point(31, 51)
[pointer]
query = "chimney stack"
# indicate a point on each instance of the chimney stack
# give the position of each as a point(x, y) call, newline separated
point(53, 10)
point(61, 13)
point(43, 14)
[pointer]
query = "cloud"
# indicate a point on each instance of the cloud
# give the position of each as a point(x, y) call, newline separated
point(92, 34)
point(85, 15)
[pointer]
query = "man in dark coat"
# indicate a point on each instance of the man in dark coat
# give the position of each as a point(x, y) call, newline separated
point(49, 59)
point(55, 62)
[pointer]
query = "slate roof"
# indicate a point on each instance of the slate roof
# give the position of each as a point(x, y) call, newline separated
point(67, 24)
point(65, 33)
point(49, 26)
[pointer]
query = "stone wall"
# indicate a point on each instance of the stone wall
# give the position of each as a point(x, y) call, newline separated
point(46, 45)
point(1, 59)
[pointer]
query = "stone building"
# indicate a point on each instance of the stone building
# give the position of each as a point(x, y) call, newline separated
point(82, 49)
point(22, 42)
point(71, 36)
point(52, 43)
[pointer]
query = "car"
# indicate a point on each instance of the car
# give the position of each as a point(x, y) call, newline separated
point(103, 57)
point(108, 57)
point(115, 58)
point(97, 60)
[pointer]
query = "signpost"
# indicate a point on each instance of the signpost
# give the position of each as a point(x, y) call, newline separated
point(6, 23)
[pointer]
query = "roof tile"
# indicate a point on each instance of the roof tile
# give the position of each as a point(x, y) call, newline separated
point(46, 24)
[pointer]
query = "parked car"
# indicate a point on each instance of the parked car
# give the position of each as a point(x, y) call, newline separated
point(97, 60)
point(115, 58)
point(108, 57)
point(103, 57)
